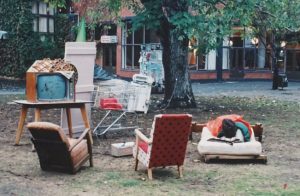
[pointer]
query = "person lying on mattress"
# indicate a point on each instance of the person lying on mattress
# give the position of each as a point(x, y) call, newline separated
point(230, 128)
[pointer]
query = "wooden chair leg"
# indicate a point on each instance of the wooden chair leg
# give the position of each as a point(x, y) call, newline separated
point(21, 124)
point(180, 171)
point(136, 164)
point(150, 173)
point(137, 153)
point(90, 149)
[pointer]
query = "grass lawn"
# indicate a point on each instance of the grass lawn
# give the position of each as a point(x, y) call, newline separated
point(20, 173)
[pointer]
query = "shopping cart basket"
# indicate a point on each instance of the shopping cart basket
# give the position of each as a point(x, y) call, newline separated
point(117, 101)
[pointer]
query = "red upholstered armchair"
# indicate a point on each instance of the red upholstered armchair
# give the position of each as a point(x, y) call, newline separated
point(167, 143)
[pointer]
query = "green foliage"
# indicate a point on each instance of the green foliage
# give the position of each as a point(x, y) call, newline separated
point(207, 21)
point(24, 46)
point(62, 32)
point(18, 23)
point(59, 3)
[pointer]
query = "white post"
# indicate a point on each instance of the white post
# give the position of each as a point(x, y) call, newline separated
point(225, 60)
point(262, 52)
point(82, 55)
point(211, 60)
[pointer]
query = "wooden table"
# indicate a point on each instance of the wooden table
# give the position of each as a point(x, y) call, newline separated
point(38, 106)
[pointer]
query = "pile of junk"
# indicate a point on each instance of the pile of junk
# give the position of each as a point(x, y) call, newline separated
point(120, 99)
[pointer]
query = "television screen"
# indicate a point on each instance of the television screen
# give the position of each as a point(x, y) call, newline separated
point(51, 87)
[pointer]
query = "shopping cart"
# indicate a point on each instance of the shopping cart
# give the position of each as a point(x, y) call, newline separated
point(117, 101)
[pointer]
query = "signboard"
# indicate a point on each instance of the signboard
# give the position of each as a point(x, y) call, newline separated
point(109, 39)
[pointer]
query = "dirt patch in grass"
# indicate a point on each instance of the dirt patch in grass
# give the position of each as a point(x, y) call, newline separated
point(20, 173)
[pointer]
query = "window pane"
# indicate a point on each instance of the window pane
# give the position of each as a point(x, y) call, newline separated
point(129, 60)
point(138, 36)
point(128, 34)
point(250, 58)
point(42, 8)
point(151, 37)
point(34, 8)
point(192, 59)
point(43, 24)
point(137, 54)
point(201, 61)
point(51, 10)
point(51, 25)
point(35, 25)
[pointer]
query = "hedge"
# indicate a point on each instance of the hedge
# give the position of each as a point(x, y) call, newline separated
point(24, 46)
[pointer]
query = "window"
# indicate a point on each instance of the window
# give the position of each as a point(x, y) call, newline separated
point(246, 53)
point(44, 17)
point(198, 60)
point(131, 44)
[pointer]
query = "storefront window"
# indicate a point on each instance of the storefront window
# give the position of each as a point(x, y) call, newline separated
point(131, 44)
point(246, 53)
point(198, 60)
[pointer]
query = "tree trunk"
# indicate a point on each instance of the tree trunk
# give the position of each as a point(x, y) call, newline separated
point(274, 64)
point(178, 89)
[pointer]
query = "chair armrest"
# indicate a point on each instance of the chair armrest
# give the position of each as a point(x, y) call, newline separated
point(197, 127)
point(141, 136)
point(258, 131)
point(82, 136)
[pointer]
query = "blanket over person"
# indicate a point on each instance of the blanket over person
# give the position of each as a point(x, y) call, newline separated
point(215, 126)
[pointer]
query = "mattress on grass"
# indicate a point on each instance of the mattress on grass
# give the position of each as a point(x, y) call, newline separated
point(252, 147)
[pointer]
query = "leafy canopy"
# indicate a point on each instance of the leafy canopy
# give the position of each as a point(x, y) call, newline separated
point(208, 21)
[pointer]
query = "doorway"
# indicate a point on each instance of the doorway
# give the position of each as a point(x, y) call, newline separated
point(106, 52)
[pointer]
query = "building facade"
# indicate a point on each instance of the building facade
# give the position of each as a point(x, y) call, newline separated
point(238, 59)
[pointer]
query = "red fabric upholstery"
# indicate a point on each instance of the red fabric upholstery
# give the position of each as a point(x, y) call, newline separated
point(144, 146)
point(110, 104)
point(170, 139)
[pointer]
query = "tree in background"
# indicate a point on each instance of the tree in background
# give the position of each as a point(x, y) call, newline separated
point(207, 21)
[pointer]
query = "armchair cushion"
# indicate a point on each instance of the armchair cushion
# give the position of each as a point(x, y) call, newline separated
point(110, 104)
point(144, 146)
point(40, 129)
point(252, 147)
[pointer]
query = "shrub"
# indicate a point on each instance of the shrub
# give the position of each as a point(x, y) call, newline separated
point(24, 46)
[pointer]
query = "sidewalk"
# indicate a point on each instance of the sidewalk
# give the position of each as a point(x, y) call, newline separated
point(238, 89)
point(248, 89)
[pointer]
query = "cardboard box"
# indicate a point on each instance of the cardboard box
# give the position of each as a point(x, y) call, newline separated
point(122, 149)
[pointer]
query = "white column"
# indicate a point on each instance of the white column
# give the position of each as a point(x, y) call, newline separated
point(82, 55)
point(225, 60)
point(210, 63)
point(261, 52)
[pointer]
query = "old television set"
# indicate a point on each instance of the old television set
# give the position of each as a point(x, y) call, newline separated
point(50, 86)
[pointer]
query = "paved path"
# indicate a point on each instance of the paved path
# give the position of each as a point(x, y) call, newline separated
point(248, 89)
point(239, 88)
point(11, 86)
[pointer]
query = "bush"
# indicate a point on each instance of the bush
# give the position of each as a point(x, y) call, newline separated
point(24, 46)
